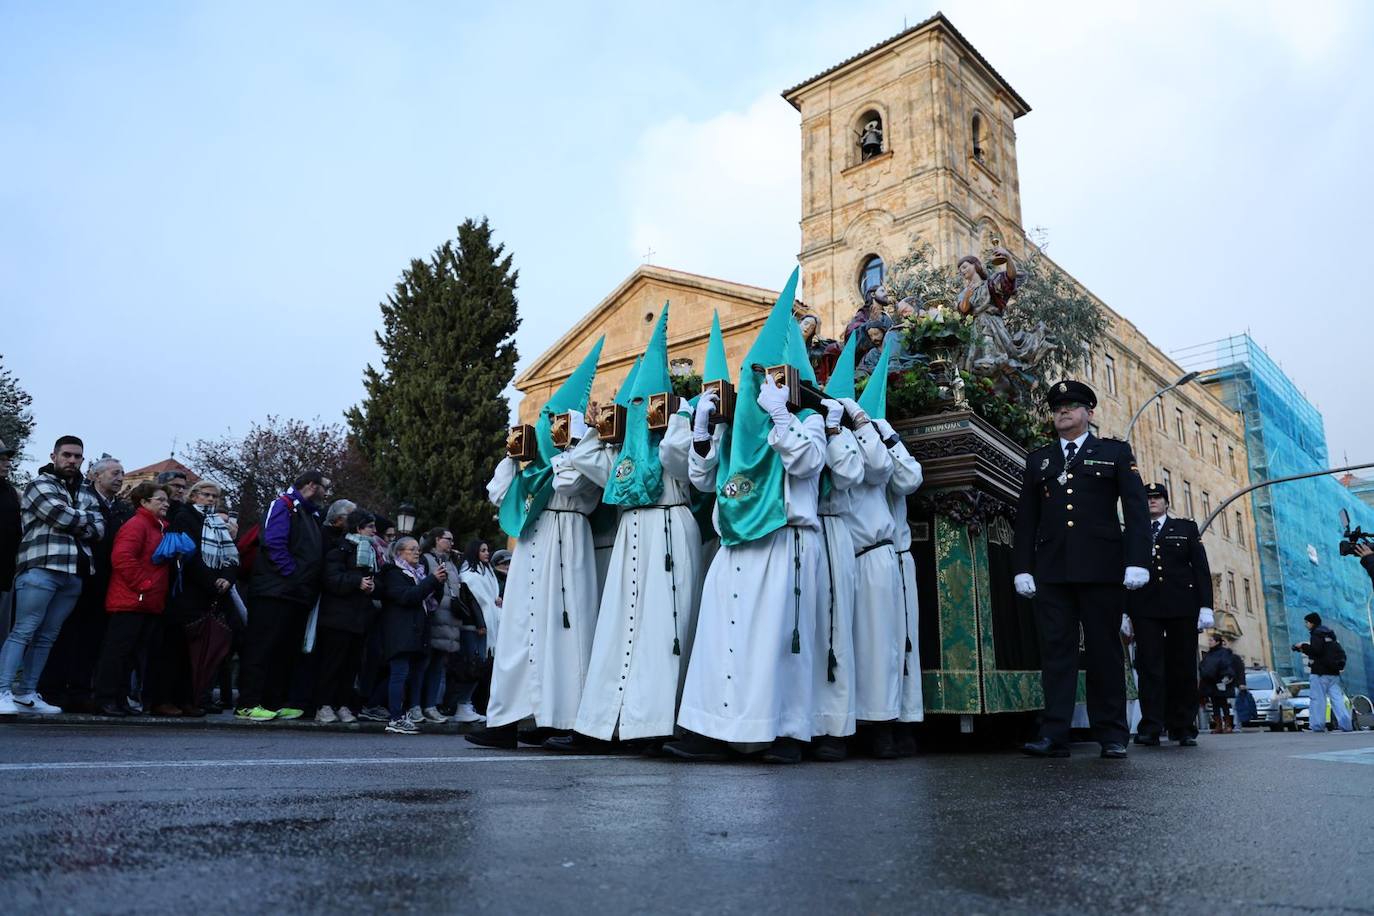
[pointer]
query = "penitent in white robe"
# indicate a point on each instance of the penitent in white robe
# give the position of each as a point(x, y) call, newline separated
point(879, 616)
point(540, 664)
point(744, 683)
point(906, 479)
point(833, 701)
point(634, 679)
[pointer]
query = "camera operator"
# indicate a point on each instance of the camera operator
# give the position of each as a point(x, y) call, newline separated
point(1328, 661)
point(1366, 555)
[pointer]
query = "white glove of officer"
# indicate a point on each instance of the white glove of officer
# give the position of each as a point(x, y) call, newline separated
point(1205, 619)
point(1126, 629)
point(1136, 577)
point(884, 429)
point(773, 399)
point(1025, 585)
point(856, 413)
point(834, 412)
point(701, 420)
point(577, 424)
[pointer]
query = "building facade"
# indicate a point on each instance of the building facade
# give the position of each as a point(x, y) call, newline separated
point(939, 169)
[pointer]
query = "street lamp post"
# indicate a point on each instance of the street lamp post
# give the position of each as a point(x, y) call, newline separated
point(405, 518)
point(1182, 380)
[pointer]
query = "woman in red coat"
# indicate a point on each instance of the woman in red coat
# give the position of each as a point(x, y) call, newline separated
point(136, 597)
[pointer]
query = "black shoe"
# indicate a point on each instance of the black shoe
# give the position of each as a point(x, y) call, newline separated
point(113, 710)
point(502, 737)
point(1147, 740)
point(574, 743)
point(1186, 741)
point(828, 749)
point(698, 749)
point(783, 750)
point(881, 743)
point(1044, 747)
point(1113, 751)
point(904, 739)
point(537, 736)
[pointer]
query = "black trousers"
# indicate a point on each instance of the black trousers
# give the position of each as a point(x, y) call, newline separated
point(271, 648)
point(127, 634)
point(168, 678)
point(1060, 609)
point(1166, 665)
point(338, 655)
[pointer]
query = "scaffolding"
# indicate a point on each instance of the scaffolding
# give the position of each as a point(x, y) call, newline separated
point(1297, 526)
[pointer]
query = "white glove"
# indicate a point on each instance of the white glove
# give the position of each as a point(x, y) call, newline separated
point(1205, 619)
point(577, 424)
point(701, 421)
point(834, 412)
point(1136, 577)
point(856, 413)
point(1025, 585)
point(884, 429)
point(1126, 629)
point(773, 399)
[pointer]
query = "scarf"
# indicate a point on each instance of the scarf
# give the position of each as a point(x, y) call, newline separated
point(418, 575)
point(217, 549)
point(364, 551)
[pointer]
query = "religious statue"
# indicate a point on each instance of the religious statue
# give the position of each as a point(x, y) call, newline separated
point(870, 140)
point(821, 351)
point(874, 309)
point(996, 352)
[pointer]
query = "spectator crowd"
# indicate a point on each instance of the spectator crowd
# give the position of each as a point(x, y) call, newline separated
point(156, 601)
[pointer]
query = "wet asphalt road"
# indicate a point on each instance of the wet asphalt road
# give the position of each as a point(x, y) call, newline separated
point(103, 819)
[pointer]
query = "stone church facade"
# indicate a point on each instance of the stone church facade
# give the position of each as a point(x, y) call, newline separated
point(943, 172)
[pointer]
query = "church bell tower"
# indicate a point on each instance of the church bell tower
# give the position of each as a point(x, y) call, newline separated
point(911, 140)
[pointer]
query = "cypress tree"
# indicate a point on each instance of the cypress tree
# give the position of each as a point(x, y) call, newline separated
point(433, 422)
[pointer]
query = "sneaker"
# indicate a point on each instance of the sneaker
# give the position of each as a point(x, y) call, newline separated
point(415, 715)
point(374, 714)
point(402, 726)
point(7, 705)
point(33, 703)
point(326, 714)
point(466, 713)
point(346, 715)
point(290, 712)
point(256, 714)
point(135, 706)
point(434, 715)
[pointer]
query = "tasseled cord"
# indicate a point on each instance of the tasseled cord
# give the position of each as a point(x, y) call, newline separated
point(796, 591)
point(567, 624)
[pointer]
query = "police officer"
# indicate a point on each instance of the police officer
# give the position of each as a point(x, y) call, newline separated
point(1166, 616)
point(1072, 556)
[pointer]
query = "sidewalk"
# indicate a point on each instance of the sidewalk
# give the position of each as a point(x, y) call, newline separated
point(226, 720)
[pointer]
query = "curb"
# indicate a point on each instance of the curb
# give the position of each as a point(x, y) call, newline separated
point(226, 720)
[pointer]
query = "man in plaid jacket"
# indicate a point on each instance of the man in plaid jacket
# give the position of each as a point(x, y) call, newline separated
point(61, 522)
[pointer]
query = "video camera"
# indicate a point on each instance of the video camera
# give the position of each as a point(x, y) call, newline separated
point(1351, 538)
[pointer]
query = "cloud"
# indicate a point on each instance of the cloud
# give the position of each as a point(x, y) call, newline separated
point(721, 196)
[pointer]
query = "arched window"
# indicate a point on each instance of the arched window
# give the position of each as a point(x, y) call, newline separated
point(870, 132)
point(871, 276)
point(979, 150)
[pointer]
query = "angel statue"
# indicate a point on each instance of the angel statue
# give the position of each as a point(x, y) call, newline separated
point(997, 352)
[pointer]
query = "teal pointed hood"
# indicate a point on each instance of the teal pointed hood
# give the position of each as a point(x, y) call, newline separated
point(717, 365)
point(874, 399)
point(841, 384)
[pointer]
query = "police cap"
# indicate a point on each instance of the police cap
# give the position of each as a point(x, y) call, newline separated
point(1157, 489)
point(1070, 391)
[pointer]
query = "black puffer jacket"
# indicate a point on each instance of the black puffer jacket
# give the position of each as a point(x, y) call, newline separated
point(403, 610)
point(343, 605)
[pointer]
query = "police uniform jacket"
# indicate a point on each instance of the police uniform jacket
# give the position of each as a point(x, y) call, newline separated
point(1180, 579)
point(1069, 532)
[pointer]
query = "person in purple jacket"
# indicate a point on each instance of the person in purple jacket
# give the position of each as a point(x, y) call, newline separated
point(284, 587)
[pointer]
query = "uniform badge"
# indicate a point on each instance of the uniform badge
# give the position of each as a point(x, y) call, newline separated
point(625, 468)
point(1044, 463)
point(1063, 387)
point(737, 487)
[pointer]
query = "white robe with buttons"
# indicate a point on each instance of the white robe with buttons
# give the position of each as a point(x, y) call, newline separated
point(634, 679)
point(744, 684)
point(906, 479)
point(833, 701)
point(539, 664)
point(879, 616)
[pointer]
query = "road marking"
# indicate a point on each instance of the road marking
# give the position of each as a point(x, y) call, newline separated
point(1363, 755)
point(275, 762)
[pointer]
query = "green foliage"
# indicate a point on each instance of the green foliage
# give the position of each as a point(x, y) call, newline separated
point(433, 422)
point(16, 415)
point(687, 386)
point(913, 393)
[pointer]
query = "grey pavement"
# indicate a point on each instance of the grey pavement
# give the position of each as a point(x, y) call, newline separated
point(104, 818)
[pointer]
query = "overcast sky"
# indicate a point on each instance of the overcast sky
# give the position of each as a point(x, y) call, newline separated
point(202, 204)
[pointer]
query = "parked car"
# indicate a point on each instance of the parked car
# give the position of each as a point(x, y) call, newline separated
point(1262, 685)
